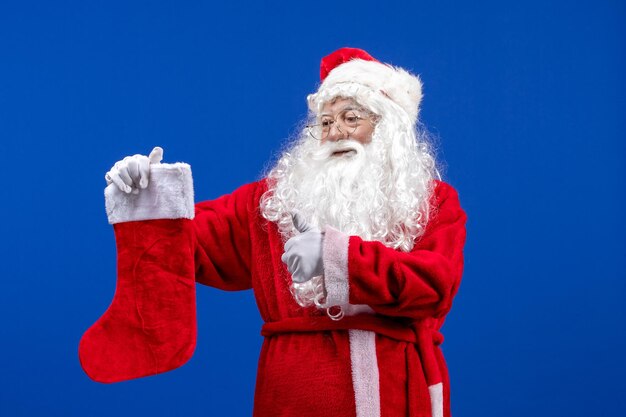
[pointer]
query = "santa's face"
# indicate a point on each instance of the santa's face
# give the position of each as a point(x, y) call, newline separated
point(342, 118)
point(366, 177)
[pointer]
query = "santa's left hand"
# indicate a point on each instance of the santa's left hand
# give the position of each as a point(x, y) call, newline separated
point(303, 253)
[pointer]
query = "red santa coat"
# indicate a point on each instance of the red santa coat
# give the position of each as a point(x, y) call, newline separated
point(381, 359)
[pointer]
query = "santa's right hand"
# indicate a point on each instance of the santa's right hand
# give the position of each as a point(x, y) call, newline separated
point(133, 172)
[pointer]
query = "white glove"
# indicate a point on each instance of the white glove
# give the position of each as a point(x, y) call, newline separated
point(303, 253)
point(133, 172)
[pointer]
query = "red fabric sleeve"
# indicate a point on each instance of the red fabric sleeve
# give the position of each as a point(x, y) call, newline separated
point(222, 255)
point(417, 284)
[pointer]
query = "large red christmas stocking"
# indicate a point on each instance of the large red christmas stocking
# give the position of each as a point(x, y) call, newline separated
point(150, 327)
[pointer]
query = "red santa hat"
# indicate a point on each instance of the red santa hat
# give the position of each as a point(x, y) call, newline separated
point(352, 72)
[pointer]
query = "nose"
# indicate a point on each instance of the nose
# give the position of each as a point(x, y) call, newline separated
point(335, 133)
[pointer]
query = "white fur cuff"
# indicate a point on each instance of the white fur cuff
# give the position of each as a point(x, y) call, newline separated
point(335, 256)
point(169, 195)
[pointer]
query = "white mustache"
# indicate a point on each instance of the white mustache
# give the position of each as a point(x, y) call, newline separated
point(326, 150)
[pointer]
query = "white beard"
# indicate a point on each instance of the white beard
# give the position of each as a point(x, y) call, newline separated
point(359, 193)
point(337, 190)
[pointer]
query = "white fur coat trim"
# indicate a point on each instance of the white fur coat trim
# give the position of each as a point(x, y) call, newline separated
point(365, 374)
point(169, 195)
point(436, 399)
point(363, 359)
point(335, 258)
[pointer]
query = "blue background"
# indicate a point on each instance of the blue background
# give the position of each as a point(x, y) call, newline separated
point(527, 100)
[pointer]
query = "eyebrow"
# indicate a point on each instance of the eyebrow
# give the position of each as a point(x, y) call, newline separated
point(348, 107)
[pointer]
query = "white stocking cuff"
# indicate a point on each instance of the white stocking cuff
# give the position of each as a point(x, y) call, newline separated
point(169, 195)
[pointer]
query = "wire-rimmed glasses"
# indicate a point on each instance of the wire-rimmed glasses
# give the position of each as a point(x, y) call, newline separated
point(346, 122)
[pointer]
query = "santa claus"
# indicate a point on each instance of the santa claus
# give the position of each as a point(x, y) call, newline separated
point(352, 245)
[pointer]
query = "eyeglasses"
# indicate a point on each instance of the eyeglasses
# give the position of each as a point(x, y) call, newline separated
point(348, 119)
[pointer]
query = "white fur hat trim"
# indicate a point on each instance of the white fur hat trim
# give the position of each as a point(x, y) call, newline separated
point(394, 83)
